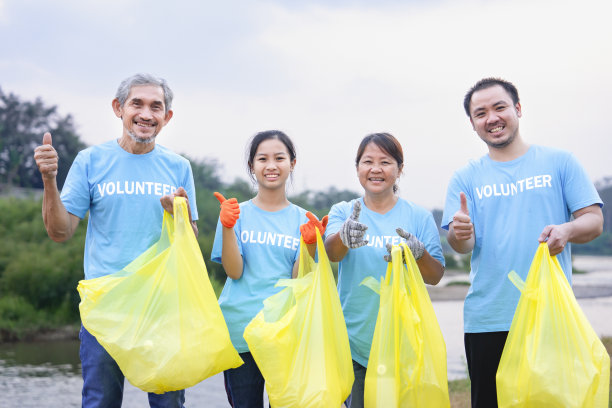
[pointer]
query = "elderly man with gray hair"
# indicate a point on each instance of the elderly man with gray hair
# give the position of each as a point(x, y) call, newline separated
point(123, 183)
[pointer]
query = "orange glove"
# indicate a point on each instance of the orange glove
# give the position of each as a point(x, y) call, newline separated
point(308, 230)
point(230, 211)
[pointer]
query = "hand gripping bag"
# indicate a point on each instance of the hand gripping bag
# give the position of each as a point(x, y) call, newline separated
point(159, 317)
point(407, 364)
point(552, 356)
point(299, 339)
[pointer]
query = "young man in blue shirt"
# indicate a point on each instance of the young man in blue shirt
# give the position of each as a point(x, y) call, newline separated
point(501, 207)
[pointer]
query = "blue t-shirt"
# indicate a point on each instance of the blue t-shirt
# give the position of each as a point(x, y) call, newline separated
point(269, 243)
point(121, 191)
point(510, 203)
point(359, 303)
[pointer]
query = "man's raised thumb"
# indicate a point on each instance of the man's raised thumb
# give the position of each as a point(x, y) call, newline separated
point(464, 207)
point(47, 139)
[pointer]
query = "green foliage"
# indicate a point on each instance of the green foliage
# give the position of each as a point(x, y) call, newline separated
point(22, 125)
point(38, 277)
point(601, 245)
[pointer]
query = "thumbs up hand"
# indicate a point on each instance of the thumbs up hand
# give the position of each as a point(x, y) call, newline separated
point(462, 223)
point(230, 210)
point(352, 231)
point(308, 230)
point(46, 158)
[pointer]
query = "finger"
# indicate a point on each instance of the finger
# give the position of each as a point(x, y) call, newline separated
point(312, 217)
point(47, 140)
point(180, 192)
point(360, 244)
point(545, 234)
point(402, 233)
point(389, 247)
point(324, 221)
point(167, 204)
point(464, 206)
point(358, 227)
point(356, 211)
point(219, 197)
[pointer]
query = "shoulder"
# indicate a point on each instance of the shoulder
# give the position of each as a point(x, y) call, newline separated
point(414, 212)
point(414, 208)
point(171, 156)
point(555, 159)
point(343, 207)
point(102, 149)
point(548, 151)
point(297, 209)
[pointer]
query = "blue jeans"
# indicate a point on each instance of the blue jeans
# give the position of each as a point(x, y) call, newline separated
point(355, 400)
point(103, 380)
point(245, 385)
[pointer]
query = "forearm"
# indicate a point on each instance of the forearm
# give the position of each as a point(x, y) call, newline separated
point(335, 248)
point(586, 227)
point(431, 269)
point(230, 254)
point(194, 226)
point(60, 224)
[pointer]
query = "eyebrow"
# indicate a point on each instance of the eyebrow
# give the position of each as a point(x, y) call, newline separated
point(480, 108)
point(275, 154)
point(139, 100)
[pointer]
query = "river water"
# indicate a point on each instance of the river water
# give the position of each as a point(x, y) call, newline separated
point(47, 374)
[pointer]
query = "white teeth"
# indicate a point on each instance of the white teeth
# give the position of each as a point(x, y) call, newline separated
point(496, 129)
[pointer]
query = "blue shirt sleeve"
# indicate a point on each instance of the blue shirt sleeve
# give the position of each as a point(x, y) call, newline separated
point(75, 193)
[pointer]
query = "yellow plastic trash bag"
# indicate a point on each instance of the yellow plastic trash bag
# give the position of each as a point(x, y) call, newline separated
point(158, 317)
point(407, 364)
point(552, 357)
point(299, 339)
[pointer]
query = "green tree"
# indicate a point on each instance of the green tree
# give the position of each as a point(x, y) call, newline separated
point(22, 125)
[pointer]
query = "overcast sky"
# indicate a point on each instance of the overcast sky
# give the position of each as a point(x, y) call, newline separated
point(325, 72)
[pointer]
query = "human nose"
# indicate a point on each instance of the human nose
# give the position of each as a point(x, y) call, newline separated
point(375, 168)
point(492, 117)
point(146, 113)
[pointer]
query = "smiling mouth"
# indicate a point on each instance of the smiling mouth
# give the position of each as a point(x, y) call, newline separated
point(271, 176)
point(377, 179)
point(496, 129)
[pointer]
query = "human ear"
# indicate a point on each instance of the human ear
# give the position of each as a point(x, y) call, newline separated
point(117, 108)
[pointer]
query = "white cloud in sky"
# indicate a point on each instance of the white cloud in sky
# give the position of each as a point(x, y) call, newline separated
point(327, 75)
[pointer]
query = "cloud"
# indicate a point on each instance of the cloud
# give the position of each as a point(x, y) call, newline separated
point(326, 74)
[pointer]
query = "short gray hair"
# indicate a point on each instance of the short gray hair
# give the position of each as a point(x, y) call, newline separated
point(144, 79)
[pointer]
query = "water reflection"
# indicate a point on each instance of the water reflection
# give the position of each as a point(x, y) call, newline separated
point(40, 374)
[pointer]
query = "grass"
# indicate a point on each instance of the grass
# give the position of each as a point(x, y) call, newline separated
point(459, 390)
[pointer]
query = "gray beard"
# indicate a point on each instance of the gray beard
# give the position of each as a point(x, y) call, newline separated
point(143, 140)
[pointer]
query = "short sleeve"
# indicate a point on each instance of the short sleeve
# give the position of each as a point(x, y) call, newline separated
point(189, 187)
point(452, 203)
point(578, 189)
point(337, 216)
point(76, 192)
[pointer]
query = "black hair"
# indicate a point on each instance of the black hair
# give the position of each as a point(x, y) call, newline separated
point(386, 142)
point(487, 83)
point(263, 136)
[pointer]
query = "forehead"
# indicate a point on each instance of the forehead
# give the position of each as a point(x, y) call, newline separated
point(490, 96)
point(151, 93)
point(271, 146)
point(373, 150)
